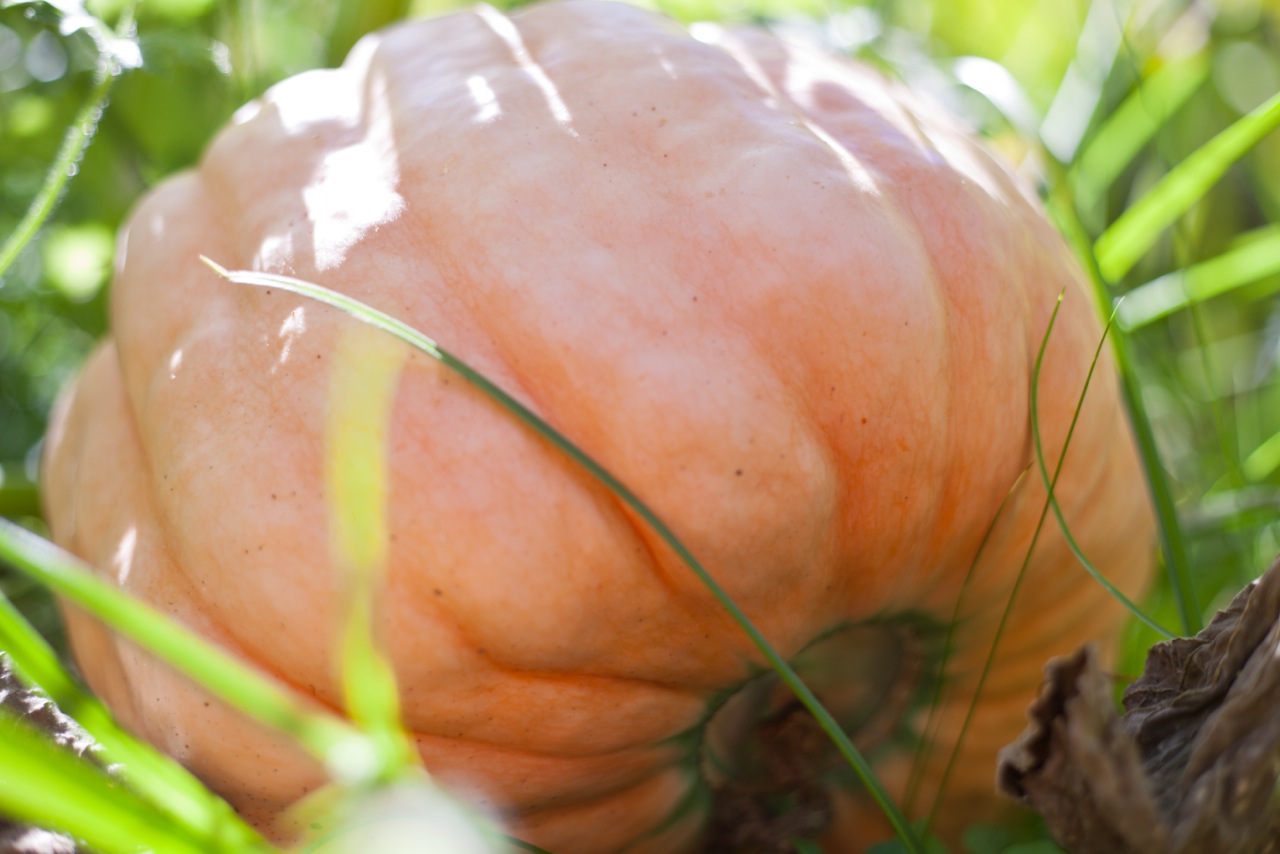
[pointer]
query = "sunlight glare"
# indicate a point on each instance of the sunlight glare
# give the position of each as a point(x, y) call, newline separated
point(487, 107)
point(503, 27)
point(294, 325)
point(122, 561)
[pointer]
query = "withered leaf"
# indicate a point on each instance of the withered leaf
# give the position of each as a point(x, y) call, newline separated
point(1191, 766)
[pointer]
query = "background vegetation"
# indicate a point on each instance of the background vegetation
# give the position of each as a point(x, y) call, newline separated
point(1095, 101)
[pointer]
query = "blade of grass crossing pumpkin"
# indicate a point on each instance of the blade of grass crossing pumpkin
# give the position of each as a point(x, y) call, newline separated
point(1049, 482)
point(48, 786)
point(1172, 539)
point(1255, 256)
point(933, 721)
point(332, 740)
point(154, 776)
point(74, 144)
point(1127, 130)
point(406, 333)
point(1003, 622)
point(1134, 232)
point(362, 387)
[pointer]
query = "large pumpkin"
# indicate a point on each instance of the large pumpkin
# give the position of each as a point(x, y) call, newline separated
point(787, 302)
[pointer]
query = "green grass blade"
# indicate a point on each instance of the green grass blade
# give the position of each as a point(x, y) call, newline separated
point(1126, 131)
point(1172, 539)
point(78, 137)
point(406, 333)
point(1049, 482)
point(51, 787)
point(1002, 624)
point(154, 776)
point(335, 742)
point(1253, 257)
point(1130, 236)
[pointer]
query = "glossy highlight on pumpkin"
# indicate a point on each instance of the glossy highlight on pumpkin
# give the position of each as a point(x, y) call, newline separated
point(791, 305)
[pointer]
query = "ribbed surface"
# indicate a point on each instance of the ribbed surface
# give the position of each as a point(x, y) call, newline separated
point(788, 304)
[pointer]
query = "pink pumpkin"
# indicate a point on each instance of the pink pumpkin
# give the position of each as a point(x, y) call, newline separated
point(793, 306)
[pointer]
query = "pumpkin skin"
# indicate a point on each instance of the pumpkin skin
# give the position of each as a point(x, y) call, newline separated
point(791, 305)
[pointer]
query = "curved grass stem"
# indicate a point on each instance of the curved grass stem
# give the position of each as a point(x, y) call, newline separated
point(1050, 482)
point(788, 675)
point(1172, 538)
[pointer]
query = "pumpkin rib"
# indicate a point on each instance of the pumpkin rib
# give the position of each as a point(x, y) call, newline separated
point(617, 768)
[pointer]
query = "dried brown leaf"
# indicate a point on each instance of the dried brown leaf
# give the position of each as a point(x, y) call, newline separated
point(1193, 763)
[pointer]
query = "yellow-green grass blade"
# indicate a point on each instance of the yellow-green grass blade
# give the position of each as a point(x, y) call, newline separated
point(1138, 228)
point(1127, 130)
point(406, 333)
point(1253, 257)
point(48, 786)
point(343, 749)
point(362, 388)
